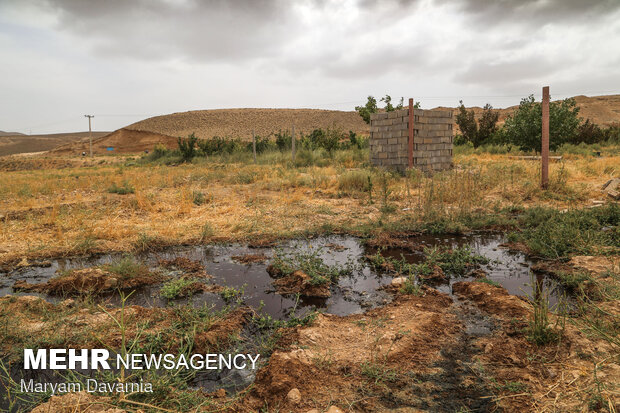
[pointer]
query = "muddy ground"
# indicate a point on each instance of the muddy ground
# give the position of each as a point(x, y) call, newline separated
point(460, 347)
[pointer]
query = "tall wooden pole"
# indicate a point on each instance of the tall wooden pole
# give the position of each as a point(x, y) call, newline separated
point(411, 130)
point(254, 145)
point(544, 152)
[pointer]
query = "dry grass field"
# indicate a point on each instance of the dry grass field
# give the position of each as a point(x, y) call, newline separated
point(72, 210)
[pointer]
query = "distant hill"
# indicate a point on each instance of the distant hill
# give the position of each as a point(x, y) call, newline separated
point(3, 133)
point(239, 123)
point(14, 144)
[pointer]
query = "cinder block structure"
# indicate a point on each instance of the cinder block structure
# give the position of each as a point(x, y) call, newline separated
point(390, 136)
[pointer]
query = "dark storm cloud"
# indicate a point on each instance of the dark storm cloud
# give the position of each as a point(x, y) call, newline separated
point(539, 12)
point(207, 31)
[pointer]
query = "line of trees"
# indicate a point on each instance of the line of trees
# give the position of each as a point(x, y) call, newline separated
point(328, 140)
point(523, 128)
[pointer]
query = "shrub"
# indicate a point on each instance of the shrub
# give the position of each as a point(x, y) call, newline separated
point(353, 181)
point(187, 147)
point(588, 132)
point(125, 189)
point(283, 140)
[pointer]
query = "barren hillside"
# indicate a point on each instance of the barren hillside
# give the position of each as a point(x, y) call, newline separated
point(239, 123)
point(120, 141)
point(14, 144)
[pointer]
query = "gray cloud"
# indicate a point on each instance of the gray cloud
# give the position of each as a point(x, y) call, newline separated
point(535, 12)
point(207, 31)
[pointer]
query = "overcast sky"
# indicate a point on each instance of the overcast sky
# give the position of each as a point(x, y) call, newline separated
point(126, 60)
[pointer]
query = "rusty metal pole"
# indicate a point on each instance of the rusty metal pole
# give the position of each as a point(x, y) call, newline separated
point(544, 152)
point(410, 133)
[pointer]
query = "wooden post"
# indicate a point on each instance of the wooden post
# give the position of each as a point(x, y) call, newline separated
point(293, 143)
point(254, 145)
point(411, 130)
point(544, 152)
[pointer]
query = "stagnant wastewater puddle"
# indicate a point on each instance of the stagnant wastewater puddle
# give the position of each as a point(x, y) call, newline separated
point(355, 293)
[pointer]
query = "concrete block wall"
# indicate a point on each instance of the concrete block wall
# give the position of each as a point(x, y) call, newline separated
point(389, 139)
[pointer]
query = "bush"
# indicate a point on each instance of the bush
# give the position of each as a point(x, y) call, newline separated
point(353, 181)
point(283, 140)
point(187, 147)
point(588, 133)
point(322, 139)
point(125, 189)
point(369, 108)
point(524, 127)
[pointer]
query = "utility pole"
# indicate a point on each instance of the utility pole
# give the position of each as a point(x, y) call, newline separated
point(90, 136)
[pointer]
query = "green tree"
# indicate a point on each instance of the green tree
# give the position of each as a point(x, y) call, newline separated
point(477, 133)
point(368, 109)
point(524, 127)
point(388, 103)
point(187, 147)
point(467, 123)
point(487, 125)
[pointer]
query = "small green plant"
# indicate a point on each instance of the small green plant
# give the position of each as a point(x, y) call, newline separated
point(488, 281)
point(198, 198)
point(232, 293)
point(206, 232)
point(124, 189)
point(456, 261)
point(540, 331)
point(378, 373)
point(127, 267)
point(411, 287)
point(175, 288)
point(144, 242)
point(310, 263)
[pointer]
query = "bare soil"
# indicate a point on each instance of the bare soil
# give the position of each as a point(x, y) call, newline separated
point(300, 283)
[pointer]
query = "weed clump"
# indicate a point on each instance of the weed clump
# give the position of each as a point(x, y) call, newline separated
point(124, 189)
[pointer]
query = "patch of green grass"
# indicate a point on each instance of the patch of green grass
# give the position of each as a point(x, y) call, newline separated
point(126, 267)
point(488, 281)
point(556, 234)
point(310, 263)
point(175, 288)
point(125, 189)
point(231, 293)
point(456, 261)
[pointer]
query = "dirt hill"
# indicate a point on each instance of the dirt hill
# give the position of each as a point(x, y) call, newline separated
point(239, 123)
point(14, 144)
point(120, 141)
point(3, 133)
